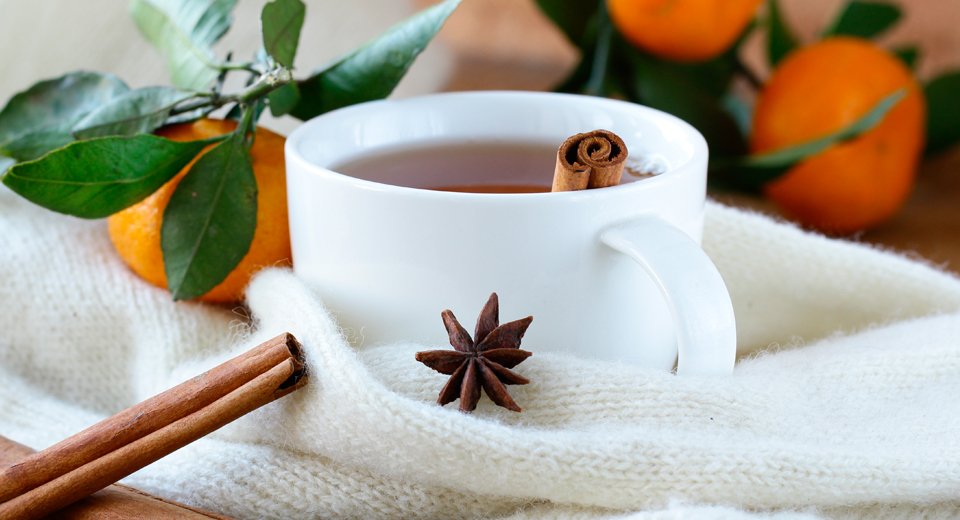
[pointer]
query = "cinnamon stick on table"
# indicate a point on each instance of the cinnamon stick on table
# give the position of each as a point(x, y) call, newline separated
point(116, 502)
point(589, 160)
point(122, 444)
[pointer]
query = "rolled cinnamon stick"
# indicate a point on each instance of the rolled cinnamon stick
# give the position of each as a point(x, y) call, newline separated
point(126, 442)
point(589, 160)
point(116, 502)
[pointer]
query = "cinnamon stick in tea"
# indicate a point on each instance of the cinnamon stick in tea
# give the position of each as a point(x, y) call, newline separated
point(116, 502)
point(116, 447)
point(589, 160)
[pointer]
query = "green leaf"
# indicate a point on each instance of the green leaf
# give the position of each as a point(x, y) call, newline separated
point(758, 169)
point(780, 39)
point(571, 17)
point(713, 76)
point(372, 71)
point(210, 221)
point(281, 21)
point(98, 177)
point(663, 86)
point(600, 54)
point(864, 19)
point(908, 55)
point(188, 117)
point(57, 104)
point(5, 163)
point(236, 112)
point(31, 146)
point(184, 32)
point(283, 99)
point(137, 111)
point(943, 111)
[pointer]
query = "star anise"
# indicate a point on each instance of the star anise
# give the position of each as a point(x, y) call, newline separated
point(483, 361)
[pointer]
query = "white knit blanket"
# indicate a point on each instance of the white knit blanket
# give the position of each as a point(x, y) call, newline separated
point(846, 401)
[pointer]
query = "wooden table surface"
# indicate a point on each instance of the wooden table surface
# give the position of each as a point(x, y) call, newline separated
point(507, 44)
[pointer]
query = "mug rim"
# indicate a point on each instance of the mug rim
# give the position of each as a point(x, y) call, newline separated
point(301, 133)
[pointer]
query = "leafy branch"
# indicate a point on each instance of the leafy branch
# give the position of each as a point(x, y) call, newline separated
point(81, 144)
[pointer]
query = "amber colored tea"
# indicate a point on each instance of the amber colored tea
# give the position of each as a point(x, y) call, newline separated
point(494, 188)
point(465, 166)
point(476, 167)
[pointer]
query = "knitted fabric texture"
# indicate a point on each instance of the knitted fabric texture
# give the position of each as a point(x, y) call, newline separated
point(843, 404)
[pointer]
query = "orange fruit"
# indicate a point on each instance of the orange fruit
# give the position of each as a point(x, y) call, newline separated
point(682, 30)
point(135, 231)
point(823, 88)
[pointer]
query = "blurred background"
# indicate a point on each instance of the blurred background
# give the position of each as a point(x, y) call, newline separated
point(526, 51)
point(487, 44)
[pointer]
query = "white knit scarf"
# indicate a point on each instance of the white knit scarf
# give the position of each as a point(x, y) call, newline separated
point(845, 403)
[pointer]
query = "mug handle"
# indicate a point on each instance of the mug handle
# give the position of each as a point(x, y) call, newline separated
point(691, 285)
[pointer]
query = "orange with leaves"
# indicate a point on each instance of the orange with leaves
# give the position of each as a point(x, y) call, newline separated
point(823, 88)
point(135, 231)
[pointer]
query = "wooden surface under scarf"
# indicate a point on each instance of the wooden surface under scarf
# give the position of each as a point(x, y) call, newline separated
point(117, 502)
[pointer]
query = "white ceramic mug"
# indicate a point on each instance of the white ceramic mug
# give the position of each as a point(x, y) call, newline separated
point(614, 273)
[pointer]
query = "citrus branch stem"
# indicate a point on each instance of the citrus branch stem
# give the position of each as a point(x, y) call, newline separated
point(264, 84)
point(245, 128)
